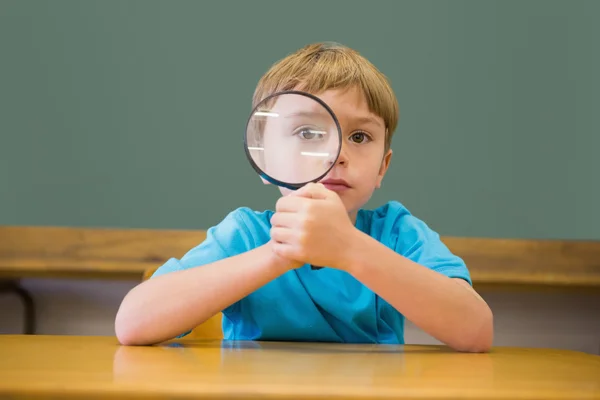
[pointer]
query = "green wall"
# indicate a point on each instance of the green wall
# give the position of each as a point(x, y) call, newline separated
point(131, 113)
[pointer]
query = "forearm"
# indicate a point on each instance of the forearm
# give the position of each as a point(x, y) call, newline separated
point(441, 306)
point(166, 306)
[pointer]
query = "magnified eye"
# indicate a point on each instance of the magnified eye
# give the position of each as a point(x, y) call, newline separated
point(310, 134)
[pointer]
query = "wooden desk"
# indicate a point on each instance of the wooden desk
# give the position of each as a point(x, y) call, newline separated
point(97, 367)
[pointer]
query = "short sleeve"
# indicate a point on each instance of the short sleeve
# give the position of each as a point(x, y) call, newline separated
point(229, 238)
point(419, 243)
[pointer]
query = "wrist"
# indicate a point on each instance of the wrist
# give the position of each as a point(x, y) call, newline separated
point(351, 259)
point(279, 263)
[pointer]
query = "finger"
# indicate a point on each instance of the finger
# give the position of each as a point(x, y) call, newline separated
point(285, 219)
point(282, 235)
point(285, 251)
point(313, 191)
point(307, 190)
point(290, 204)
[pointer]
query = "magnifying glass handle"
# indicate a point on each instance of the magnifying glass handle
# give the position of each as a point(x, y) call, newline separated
point(314, 267)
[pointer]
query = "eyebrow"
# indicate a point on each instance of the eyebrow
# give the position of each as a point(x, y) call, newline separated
point(308, 114)
point(357, 120)
point(368, 120)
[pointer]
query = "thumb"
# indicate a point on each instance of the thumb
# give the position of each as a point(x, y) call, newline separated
point(313, 191)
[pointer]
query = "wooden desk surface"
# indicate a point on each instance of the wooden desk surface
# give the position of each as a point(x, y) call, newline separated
point(98, 367)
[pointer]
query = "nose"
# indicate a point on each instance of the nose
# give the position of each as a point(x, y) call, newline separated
point(342, 159)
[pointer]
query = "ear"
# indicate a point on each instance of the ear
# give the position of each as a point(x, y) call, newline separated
point(385, 163)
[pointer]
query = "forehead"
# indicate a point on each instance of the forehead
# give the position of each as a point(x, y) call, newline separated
point(350, 106)
point(289, 104)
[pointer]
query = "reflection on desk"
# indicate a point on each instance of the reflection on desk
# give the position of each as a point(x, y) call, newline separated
point(100, 367)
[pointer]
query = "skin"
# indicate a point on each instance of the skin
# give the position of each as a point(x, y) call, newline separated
point(315, 225)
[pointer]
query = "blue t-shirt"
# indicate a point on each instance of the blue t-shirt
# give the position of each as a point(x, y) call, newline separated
point(319, 305)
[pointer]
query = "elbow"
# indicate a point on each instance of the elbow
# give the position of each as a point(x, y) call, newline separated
point(135, 326)
point(128, 329)
point(126, 337)
point(480, 346)
point(131, 334)
point(125, 331)
point(481, 337)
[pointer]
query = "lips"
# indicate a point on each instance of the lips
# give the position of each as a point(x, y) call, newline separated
point(336, 185)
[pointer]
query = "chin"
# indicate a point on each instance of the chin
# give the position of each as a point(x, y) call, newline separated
point(354, 204)
point(350, 206)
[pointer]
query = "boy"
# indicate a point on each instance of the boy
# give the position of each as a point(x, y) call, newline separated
point(382, 265)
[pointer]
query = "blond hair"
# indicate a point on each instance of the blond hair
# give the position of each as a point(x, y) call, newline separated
point(319, 67)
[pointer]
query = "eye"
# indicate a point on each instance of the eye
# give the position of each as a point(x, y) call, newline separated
point(359, 137)
point(309, 134)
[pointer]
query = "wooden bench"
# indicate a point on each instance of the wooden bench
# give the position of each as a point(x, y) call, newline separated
point(66, 252)
point(132, 254)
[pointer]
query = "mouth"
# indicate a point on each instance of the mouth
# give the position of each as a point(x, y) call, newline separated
point(337, 185)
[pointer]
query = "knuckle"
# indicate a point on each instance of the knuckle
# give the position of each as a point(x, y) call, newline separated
point(275, 219)
point(279, 250)
point(282, 202)
point(284, 251)
point(276, 234)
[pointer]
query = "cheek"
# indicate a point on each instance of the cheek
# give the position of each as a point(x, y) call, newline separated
point(370, 167)
point(369, 176)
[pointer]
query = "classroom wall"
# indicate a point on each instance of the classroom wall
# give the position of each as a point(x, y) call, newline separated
point(128, 114)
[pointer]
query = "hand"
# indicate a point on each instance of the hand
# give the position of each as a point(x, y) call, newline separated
point(311, 225)
point(283, 263)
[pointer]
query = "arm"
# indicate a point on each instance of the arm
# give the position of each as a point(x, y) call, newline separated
point(163, 307)
point(446, 308)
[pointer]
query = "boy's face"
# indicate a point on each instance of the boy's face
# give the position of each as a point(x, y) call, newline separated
point(363, 161)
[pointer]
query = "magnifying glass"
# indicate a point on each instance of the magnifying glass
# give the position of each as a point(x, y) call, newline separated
point(292, 138)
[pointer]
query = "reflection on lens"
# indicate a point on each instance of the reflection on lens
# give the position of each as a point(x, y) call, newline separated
point(293, 138)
